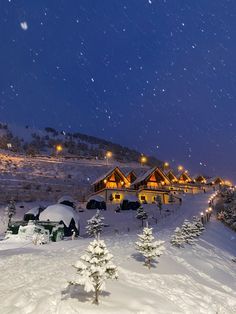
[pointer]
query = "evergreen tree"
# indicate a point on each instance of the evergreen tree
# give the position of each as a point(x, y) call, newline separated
point(178, 238)
point(197, 222)
point(10, 210)
point(189, 232)
point(141, 214)
point(95, 225)
point(94, 267)
point(149, 248)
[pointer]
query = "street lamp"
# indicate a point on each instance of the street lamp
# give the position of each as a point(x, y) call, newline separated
point(166, 165)
point(180, 168)
point(59, 148)
point(143, 160)
point(108, 156)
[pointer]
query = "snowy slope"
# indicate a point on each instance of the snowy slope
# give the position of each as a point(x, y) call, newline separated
point(199, 279)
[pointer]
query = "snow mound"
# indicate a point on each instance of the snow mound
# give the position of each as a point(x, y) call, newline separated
point(59, 212)
point(67, 198)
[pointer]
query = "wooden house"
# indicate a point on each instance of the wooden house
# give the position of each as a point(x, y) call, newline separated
point(184, 178)
point(171, 176)
point(151, 184)
point(113, 179)
point(200, 179)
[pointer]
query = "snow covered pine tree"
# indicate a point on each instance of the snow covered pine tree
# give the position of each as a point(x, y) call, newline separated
point(189, 231)
point(95, 225)
point(149, 248)
point(141, 214)
point(178, 238)
point(97, 268)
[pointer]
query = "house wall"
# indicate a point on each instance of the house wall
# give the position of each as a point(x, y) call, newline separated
point(150, 195)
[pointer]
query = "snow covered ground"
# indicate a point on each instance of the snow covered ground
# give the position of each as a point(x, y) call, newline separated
point(194, 279)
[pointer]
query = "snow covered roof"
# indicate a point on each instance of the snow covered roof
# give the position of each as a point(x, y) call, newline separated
point(66, 198)
point(59, 212)
point(97, 198)
point(107, 174)
point(147, 174)
point(34, 211)
point(102, 177)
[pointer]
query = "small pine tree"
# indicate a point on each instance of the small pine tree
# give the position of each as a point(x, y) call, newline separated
point(149, 248)
point(141, 214)
point(178, 238)
point(197, 222)
point(10, 210)
point(95, 225)
point(94, 267)
point(189, 232)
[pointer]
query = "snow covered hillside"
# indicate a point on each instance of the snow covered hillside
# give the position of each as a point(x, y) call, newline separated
point(39, 178)
point(194, 279)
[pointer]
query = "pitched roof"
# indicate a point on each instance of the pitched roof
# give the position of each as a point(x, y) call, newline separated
point(108, 173)
point(148, 174)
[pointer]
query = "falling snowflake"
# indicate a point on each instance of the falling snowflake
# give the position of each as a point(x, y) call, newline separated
point(24, 25)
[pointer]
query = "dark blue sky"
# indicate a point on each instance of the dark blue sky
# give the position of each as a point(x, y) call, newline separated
point(156, 75)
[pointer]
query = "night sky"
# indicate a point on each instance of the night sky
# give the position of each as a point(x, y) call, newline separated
point(155, 75)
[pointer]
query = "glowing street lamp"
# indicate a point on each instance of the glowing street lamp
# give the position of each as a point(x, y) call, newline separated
point(166, 165)
point(108, 156)
point(59, 148)
point(143, 160)
point(180, 168)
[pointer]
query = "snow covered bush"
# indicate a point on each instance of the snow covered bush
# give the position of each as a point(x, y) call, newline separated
point(149, 248)
point(95, 225)
point(94, 267)
point(141, 214)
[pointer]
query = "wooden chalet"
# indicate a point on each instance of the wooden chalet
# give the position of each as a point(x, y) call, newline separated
point(171, 176)
point(200, 179)
point(184, 178)
point(153, 179)
point(113, 179)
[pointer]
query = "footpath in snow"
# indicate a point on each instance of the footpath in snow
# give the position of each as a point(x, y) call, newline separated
point(194, 279)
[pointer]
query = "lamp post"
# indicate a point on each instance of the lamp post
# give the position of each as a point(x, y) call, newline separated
point(202, 217)
point(166, 165)
point(108, 156)
point(143, 160)
point(59, 148)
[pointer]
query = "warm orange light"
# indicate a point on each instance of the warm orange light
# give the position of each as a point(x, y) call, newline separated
point(180, 168)
point(166, 164)
point(59, 148)
point(143, 159)
point(109, 154)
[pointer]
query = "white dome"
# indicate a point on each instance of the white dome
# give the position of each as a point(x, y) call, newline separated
point(59, 212)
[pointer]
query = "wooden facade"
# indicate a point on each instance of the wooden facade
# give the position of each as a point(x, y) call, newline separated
point(114, 179)
point(171, 176)
point(152, 179)
point(184, 178)
point(200, 179)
